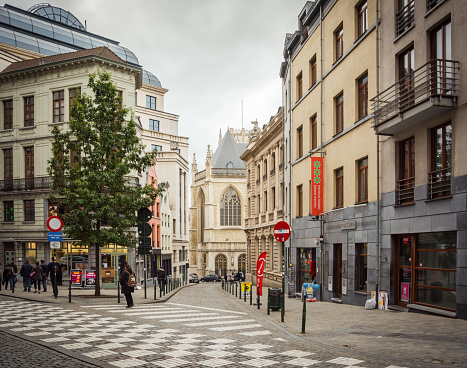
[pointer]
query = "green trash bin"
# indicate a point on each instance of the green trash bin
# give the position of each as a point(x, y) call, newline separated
point(274, 297)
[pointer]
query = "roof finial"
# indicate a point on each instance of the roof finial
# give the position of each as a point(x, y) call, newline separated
point(194, 165)
point(209, 156)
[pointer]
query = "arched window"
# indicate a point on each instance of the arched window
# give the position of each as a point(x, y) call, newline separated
point(201, 216)
point(221, 264)
point(242, 263)
point(229, 165)
point(230, 211)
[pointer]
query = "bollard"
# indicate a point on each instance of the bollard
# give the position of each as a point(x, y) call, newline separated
point(269, 303)
point(1, 283)
point(304, 314)
point(257, 296)
point(240, 290)
point(118, 292)
point(251, 296)
point(236, 287)
point(222, 285)
point(154, 283)
point(244, 294)
point(160, 289)
point(69, 292)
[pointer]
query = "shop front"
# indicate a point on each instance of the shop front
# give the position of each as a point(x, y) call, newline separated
point(426, 270)
point(113, 258)
point(307, 265)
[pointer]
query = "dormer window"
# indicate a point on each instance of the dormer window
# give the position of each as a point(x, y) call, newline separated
point(229, 165)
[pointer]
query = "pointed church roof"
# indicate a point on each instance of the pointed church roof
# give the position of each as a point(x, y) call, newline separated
point(229, 151)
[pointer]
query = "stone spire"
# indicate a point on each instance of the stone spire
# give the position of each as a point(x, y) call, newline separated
point(194, 165)
point(209, 156)
point(220, 136)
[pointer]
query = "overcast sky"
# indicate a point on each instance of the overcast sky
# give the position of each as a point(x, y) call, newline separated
point(209, 54)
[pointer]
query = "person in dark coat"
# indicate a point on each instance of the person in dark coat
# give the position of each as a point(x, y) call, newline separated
point(126, 289)
point(37, 277)
point(44, 275)
point(25, 272)
point(55, 272)
point(8, 276)
point(15, 271)
point(161, 277)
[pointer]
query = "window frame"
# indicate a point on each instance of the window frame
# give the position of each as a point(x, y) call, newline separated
point(300, 200)
point(58, 106)
point(313, 71)
point(29, 210)
point(28, 110)
point(406, 164)
point(314, 131)
point(339, 42)
point(339, 179)
point(8, 164)
point(300, 141)
point(362, 167)
point(8, 114)
point(446, 162)
point(152, 127)
point(72, 94)
point(151, 103)
point(339, 105)
point(8, 211)
point(361, 250)
point(362, 83)
point(362, 18)
point(154, 147)
point(299, 80)
point(232, 214)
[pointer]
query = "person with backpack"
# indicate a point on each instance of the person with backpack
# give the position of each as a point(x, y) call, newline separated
point(25, 272)
point(128, 282)
point(37, 277)
point(15, 271)
point(8, 277)
point(55, 271)
point(44, 275)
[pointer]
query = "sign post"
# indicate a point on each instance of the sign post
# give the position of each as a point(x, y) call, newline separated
point(282, 233)
point(54, 224)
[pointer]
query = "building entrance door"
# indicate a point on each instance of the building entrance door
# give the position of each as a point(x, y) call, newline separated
point(404, 262)
point(338, 270)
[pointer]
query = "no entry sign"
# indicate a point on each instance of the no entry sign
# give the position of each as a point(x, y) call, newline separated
point(54, 223)
point(282, 231)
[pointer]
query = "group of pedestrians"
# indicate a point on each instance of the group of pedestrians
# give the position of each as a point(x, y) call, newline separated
point(33, 275)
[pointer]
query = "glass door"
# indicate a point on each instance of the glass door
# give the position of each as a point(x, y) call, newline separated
point(404, 261)
point(338, 270)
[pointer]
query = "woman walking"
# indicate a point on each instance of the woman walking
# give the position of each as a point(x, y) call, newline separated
point(128, 282)
point(37, 277)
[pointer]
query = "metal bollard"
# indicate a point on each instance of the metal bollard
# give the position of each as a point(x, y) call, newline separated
point(118, 292)
point(304, 314)
point(1, 283)
point(154, 283)
point(236, 287)
point(251, 296)
point(269, 303)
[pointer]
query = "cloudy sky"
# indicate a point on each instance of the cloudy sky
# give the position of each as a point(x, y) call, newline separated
point(209, 54)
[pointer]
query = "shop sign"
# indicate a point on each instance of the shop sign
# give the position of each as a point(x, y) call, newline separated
point(90, 278)
point(259, 272)
point(76, 278)
point(329, 283)
point(405, 240)
point(246, 288)
point(348, 225)
point(291, 281)
point(405, 292)
point(317, 167)
point(54, 245)
point(344, 286)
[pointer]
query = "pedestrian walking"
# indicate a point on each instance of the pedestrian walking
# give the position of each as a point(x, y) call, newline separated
point(37, 277)
point(161, 277)
point(15, 271)
point(25, 272)
point(55, 272)
point(128, 282)
point(8, 277)
point(44, 275)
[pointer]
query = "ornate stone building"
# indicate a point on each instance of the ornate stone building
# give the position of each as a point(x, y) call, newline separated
point(217, 238)
point(263, 158)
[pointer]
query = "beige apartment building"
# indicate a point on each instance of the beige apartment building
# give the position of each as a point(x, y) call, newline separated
point(328, 74)
point(218, 242)
point(263, 158)
point(420, 115)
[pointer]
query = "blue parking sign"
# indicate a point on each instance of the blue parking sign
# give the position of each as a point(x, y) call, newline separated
point(55, 236)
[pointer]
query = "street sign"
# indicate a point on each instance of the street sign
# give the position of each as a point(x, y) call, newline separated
point(282, 231)
point(54, 223)
point(144, 241)
point(55, 237)
point(54, 245)
point(144, 230)
point(144, 215)
point(144, 249)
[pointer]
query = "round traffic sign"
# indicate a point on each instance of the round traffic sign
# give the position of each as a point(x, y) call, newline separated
point(282, 231)
point(54, 223)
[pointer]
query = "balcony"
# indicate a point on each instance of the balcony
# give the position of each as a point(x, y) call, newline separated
point(17, 185)
point(281, 165)
point(439, 183)
point(405, 191)
point(272, 172)
point(265, 176)
point(426, 92)
point(248, 185)
point(257, 181)
point(405, 18)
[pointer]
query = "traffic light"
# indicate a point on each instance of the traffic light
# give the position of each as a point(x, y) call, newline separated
point(144, 231)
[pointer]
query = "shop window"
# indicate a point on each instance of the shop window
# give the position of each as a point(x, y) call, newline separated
point(362, 266)
point(307, 265)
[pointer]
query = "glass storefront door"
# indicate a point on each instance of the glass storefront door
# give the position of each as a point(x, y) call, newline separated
point(404, 261)
point(307, 265)
point(112, 261)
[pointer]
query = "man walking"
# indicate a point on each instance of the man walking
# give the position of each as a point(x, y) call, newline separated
point(161, 277)
point(25, 272)
point(55, 271)
point(44, 275)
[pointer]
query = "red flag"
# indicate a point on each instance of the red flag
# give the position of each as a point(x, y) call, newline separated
point(316, 186)
point(259, 271)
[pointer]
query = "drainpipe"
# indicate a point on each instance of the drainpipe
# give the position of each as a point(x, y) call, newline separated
point(378, 183)
point(321, 223)
point(289, 255)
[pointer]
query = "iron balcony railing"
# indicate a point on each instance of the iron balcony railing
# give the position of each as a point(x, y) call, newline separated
point(405, 18)
point(438, 77)
point(405, 190)
point(273, 172)
point(265, 176)
point(439, 183)
point(257, 181)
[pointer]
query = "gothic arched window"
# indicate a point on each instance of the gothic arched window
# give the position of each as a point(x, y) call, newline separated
point(230, 211)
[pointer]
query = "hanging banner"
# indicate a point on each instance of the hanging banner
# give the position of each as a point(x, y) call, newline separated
point(317, 168)
point(76, 278)
point(90, 278)
point(259, 271)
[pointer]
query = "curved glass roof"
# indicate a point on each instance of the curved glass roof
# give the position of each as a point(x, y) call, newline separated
point(149, 78)
point(56, 14)
point(73, 40)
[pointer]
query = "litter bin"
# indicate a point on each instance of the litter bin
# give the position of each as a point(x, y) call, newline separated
point(274, 298)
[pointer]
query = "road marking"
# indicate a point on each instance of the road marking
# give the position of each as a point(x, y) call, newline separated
point(196, 319)
point(219, 322)
point(231, 328)
point(213, 309)
point(177, 315)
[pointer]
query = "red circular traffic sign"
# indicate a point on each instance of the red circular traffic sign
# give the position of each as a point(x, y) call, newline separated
point(54, 223)
point(282, 231)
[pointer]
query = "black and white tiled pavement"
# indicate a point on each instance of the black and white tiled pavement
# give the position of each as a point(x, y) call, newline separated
point(169, 335)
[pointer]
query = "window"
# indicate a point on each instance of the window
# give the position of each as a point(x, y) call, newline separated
point(406, 183)
point(59, 106)
point(339, 37)
point(8, 211)
point(363, 180)
point(339, 101)
point(406, 76)
point(265, 199)
point(362, 18)
point(300, 200)
point(339, 174)
point(405, 16)
point(150, 102)
point(229, 165)
point(29, 210)
point(29, 111)
point(300, 141)
point(299, 86)
point(363, 97)
point(29, 167)
point(230, 209)
point(273, 197)
point(430, 4)
point(362, 266)
point(313, 71)
point(8, 114)
point(441, 161)
point(441, 52)
point(154, 125)
point(8, 165)
point(156, 148)
point(74, 93)
point(314, 132)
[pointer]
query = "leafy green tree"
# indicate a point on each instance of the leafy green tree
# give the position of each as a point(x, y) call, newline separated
point(94, 169)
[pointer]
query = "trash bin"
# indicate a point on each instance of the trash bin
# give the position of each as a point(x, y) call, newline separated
point(274, 297)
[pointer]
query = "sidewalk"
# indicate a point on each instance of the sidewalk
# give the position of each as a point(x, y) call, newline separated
point(416, 338)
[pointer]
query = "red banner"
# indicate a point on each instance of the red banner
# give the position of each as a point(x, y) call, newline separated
point(317, 167)
point(259, 271)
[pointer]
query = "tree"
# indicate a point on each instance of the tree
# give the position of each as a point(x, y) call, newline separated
point(94, 169)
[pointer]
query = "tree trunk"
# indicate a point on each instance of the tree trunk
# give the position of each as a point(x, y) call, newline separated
point(97, 290)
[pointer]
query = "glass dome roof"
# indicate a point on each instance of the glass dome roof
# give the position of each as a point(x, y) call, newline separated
point(56, 14)
point(149, 78)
